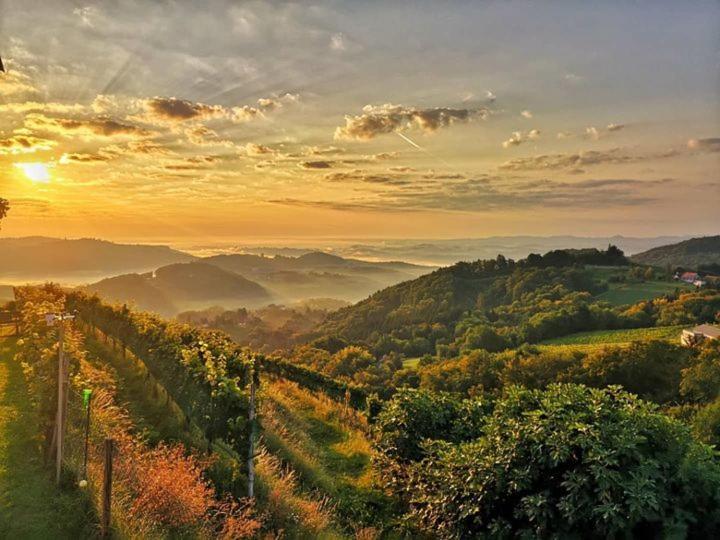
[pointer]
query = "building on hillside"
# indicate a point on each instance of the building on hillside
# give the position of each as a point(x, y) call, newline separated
point(688, 277)
point(700, 333)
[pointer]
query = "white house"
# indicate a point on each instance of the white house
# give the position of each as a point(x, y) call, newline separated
point(699, 334)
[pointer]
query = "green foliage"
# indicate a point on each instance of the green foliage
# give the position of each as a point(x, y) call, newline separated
point(701, 380)
point(314, 380)
point(651, 369)
point(414, 416)
point(706, 424)
point(203, 371)
point(38, 349)
point(569, 461)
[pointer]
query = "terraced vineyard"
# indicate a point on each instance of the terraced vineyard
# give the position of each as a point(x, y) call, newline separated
point(600, 338)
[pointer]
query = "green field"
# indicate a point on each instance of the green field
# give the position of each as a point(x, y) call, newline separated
point(628, 293)
point(411, 362)
point(589, 340)
point(623, 293)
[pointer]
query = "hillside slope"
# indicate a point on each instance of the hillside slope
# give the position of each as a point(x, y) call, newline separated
point(691, 253)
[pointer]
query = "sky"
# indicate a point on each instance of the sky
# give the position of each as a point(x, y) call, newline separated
point(168, 121)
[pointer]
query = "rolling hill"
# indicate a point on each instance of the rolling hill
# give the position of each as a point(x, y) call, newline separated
point(692, 253)
point(182, 286)
point(318, 274)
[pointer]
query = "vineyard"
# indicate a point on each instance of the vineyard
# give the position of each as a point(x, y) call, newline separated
point(176, 401)
point(211, 440)
point(607, 337)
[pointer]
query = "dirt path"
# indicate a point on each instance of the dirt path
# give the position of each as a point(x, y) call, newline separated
point(30, 505)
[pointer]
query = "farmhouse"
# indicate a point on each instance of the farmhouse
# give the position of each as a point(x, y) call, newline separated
point(699, 334)
point(689, 277)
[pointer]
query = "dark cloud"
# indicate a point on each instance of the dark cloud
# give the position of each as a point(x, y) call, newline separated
point(711, 144)
point(24, 144)
point(174, 109)
point(101, 126)
point(79, 157)
point(320, 164)
point(378, 120)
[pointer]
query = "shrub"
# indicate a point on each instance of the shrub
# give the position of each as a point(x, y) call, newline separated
point(569, 462)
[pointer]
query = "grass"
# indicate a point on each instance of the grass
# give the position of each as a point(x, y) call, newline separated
point(411, 362)
point(30, 504)
point(621, 294)
point(152, 411)
point(326, 446)
point(586, 341)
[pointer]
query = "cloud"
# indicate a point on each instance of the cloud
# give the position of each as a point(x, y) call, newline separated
point(14, 82)
point(24, 144)
point(87, 15)
point(320, 164)
point(35, 106)
point(518, 137)
point(201, 135)
point(526, 114)
point(487, 194)
point(594, 133)
point(171, 109)
point(142, 147)
point(711, 144)
point(246, 113)
point(388, 118)
point(337, 42)
point(255, 150)
point(102, 126)
point(383, 156)
point(574, 78)
point(581, 159)
point(76, 157)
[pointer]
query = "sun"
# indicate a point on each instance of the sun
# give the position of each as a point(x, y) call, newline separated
point(35, 172)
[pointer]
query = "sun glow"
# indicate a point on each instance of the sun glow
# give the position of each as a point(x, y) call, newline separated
point(35, 172)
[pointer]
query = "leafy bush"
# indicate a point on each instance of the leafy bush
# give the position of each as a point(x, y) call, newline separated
point(567, 462)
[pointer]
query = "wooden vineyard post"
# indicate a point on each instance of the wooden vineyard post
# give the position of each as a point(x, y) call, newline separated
point(251, 446)
point(107, 489)
point(60, 420)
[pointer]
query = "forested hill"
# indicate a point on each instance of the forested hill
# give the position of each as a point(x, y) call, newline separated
point(694, 253)
point(425, 310)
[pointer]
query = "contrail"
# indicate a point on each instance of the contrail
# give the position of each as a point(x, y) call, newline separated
point(416, 145)
point(410, 141)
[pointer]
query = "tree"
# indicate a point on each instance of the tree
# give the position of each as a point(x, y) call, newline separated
point(4, 208)
point(567, 462)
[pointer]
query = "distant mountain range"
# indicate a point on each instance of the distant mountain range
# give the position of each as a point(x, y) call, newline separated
point(251, 281)
point(167, 281)
point(443, 252)
point(694, 254)
point(41, 258)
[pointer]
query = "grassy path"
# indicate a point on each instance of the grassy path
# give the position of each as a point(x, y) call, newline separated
point(30, 505)
point(326, 447)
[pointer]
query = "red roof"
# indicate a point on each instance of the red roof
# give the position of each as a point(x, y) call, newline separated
point(692, 276)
